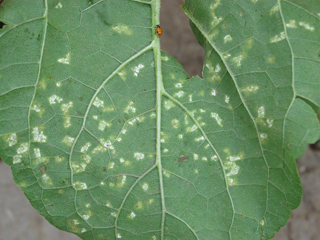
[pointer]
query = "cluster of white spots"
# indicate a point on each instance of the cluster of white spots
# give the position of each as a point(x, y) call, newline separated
point(180, 136)
point(83, 230)
point(226, 55)
point(168, 104)
point(80, 186)
point(145, 186)
point(58, 84)
point(75, 221)
point(121, 160)
point(118, 235)
point(85, 147)
point(237, 60)
point(278, 37)
point(123, 181)
point(39, 158)
point(108, 204)
point(232, 169)
point(214, 158)
point(261, 112)
point(178, 85)
point(123, 74)
point(113, 214)
point(12, 139)
point(234, 158)
point(99, 148)
point(227, 38)
point(95, 117)
point(106, 144)
point(217, 118)
point(204, 159)
point(24, 147)
point(252, 88)
point(270, 122)
point(130, 108)
point(226, 98)
point(68, 140)
point(137, 69)
point(166, 174)
point(121, 28)
point(199, 139)
point(179, 94)
point(65, 107)
point(85, 217)
point(59, 5)
point(16, 159)
point(138, 156)
point(111, 165)
point(274, 9)
point(54, 99)
point(306, 26)
point(162, 140)
point(67, 121)
point(139, 119)
point(190, 98)
point(65, 60)
point(216, 20)
point(213, 92)
point(175, 123)
point(165, 150)
point(153, 115)
point(291, 24)
point(35, 108)
point(192, 129)
point(38, 136)
point(195, 156)
point(58, 159)
point(261, 222)
point(202, 110)
point(102, 125)
point(45, 178)
point(98, 102)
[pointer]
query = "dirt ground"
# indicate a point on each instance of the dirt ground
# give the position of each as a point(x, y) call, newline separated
point(20, 221)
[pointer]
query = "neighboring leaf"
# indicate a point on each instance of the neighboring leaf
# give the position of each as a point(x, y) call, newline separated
point(109, 138)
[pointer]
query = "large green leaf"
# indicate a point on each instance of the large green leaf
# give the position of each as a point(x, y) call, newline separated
point(109, 138)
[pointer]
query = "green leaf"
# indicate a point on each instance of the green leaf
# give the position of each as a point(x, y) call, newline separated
point(108, 137)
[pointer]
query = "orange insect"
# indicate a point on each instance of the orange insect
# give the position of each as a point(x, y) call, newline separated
point(159, 30)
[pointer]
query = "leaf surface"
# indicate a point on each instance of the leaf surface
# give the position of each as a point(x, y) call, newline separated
point(109, 138)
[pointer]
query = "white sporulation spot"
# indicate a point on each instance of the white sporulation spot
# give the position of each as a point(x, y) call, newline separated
point(80, 185)
point(252, 88)
point(237, 60)
point(121, 28)
point(192, 129)
point(58, 159)
point(132, 215)
point(88, 205)
point(234, 158)
point(261, 112)
point(16, 159)
point(154, 238)
point(111, 165)
point(217, 118)
point(113, 214)
point(202, 110)
point(190, 98)
point(68, 140)
point(226, 98)
point(227, 38)
point(165, 150)
point(162, 140)
point(175, 123)
point(58, 84)
point(180, 136)
point(67, 121)
point(35, 108)
point(195, 156)
point(179, 94)
point(137, 69)
point(231, 168)
point(98, 149)
point(145, 186)
point(12, 139)
point(218, 68)
point(54, 98)
point(59, 5)
point(213, 92)
point(121, 160)
point(102, 125)
point(164, 58)
point(95, 117)
point(292, 24)
point(45, 177)
point(83, 230)
point(102, 183)
point(106, 143)
point(85, 217)
point(278, 37)
point(199, 139)
point(196, 171)
point(65, 60)
point(214, 158)
point(98, 102)
point(123, 181)
point(24, 147)
point(261, 222)
point(226, 55)
point(118, 235)
point(38, 136)
point(168, 104)
point(65, 107)
point(178, 85)
point(130, 108)
point(153, 115)
point(306, 26)
point(204, 159)
point(270, 122)
point(85, 147)
point(138, 156)
point(119, 139)
point(207, 146)
point(263, 135)
point(75, 221)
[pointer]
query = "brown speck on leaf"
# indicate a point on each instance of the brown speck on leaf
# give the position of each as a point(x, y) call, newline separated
point(43, 169)
point(104, 169)
point(182, 158)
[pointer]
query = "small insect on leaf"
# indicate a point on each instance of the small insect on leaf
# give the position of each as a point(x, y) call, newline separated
point(159, 30)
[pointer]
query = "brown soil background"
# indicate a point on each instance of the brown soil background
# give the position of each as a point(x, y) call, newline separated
point(20, 221)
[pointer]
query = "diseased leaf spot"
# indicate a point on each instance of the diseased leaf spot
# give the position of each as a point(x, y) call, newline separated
point(68, 140)
point(12, 139)
point(138, 156)
point(217, 118)
point(58, 6)
point(38, 136)
point(182, 158)
point(136, 70)
point(227, 38)
point(291, 24)
point(54, 99)
point(278, 37)
point(132, 215)
point(65, 60)
point(121, 28)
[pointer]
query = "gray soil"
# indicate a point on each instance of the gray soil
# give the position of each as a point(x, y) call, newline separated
point(20, 221)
